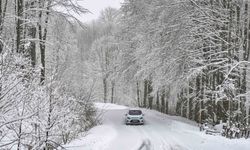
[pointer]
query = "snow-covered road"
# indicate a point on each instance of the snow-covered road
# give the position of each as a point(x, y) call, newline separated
point(160, 132)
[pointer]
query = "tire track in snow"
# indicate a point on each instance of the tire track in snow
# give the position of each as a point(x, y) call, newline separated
point(158, 131)
point(160, 142)
point(151, 136)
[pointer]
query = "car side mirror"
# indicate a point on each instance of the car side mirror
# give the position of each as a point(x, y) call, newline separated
point(143, 115)
point(126, 114)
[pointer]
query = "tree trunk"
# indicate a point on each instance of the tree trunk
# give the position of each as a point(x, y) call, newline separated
point(247, 105)
point(20, 128)
point(163, 95)
point(182, 108)
point(32, 47)
point(201, 109)
point(19, 26)
point(247, 100)
point(19, 136)
point(43, 35)
point(112, 91)
point(145, 93)
point(246, 58)
point(48, 122)
point(104, 80)
point(138, 94)
point(157, 102)
point(197, 100)
point(230, 98)
point(150, 97)
point(188, 103)
point(166, 105)
point(2, 16)
point(31, 33)
point(3, 8)
point(167, 99)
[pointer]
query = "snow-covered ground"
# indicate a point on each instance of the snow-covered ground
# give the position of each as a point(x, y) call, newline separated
point(108, 106)
point(160, 132)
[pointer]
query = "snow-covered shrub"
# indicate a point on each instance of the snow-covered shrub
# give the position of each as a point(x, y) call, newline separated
point(34, 115)
point(17, 87)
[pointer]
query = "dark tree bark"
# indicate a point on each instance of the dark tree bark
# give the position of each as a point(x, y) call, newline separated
point(166, 106)
point(1, 13)
point(49, 122)
point(31, 31)
point(2, 16)
point(246, 54)
point(163, 96)
point(145, 93)
point(188, 102)
point(43, 34)
point(19, 26)
point(104, 80)
point(167, 94)
point(157, 102)
point(112, 91)
point(32, 47)
point(138, 94)
point(19, 135)
point(150, 97)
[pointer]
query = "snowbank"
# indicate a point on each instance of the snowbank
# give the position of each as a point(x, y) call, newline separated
point(97, 138)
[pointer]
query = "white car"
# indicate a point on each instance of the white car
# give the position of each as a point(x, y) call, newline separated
point(134, 116)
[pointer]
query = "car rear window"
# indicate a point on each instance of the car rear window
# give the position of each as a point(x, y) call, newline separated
point(134, 112)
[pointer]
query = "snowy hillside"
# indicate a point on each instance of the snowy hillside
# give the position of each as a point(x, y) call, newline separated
point(160, 132)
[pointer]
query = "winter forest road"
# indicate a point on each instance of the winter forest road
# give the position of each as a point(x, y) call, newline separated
point(160, 132)
point(156, 134)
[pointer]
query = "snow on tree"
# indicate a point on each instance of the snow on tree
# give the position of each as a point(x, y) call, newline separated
point(39, 110)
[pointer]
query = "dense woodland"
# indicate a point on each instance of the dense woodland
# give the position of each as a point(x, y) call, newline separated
point(180, 57)
point(184, 57)
point(192, 57)
point(197, 51)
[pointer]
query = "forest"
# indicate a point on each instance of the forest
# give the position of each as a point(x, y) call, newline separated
point(180, 57)
point(38, 106)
